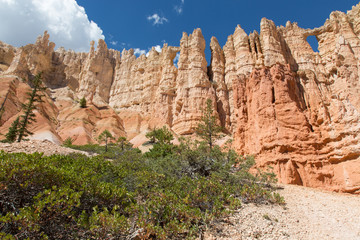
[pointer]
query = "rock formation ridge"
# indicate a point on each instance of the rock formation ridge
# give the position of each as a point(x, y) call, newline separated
point(297, 110)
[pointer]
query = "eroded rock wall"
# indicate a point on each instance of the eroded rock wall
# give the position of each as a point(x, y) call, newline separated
point(295, 109)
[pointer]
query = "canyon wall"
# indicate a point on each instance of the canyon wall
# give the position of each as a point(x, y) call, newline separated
point(296, 110)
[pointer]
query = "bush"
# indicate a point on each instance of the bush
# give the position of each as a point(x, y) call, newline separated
point(68, 142)
point(171, 196)
point(82, 102)
point(57, 196)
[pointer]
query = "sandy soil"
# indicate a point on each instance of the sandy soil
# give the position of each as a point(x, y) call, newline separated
point(308, 214)
point(45, 146)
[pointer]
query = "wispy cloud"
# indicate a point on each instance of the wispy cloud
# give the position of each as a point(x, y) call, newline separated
point(114, 43)
point(156, 19)
point(139, 52)
point(179, 8)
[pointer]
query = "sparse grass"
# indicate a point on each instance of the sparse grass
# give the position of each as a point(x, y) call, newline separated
point(266, 216)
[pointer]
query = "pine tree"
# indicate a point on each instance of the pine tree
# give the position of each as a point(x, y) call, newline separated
point(208, 129)
point(104, 136)
point(83, 102)
point(124, 143)
point(29, 117)
point(13, 130)
point(160, 136)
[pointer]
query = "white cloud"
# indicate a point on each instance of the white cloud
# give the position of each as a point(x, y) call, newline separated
point(179, 8)
point(157, 20)
point(21, 21)
point(114, 43)
point(138, 51)
point(176, 60)
point(158, 48)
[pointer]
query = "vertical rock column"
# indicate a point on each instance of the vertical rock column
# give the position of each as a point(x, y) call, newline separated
point(96, 77)
point(193, 87)
point(162, 112)
point(217, 76)
point(33, 59)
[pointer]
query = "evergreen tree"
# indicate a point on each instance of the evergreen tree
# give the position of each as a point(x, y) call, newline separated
point(104, 136)
point(124, 143)
point(13, 130)
point(208, 129)
point(83, 102)
point(29, 117)
point(161, 138)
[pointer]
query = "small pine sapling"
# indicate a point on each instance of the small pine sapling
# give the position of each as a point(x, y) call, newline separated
point(104, 137)
point(83, 102)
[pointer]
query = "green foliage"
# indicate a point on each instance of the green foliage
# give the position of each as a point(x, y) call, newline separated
point(208, 128)
point(28, 117)
point(68, 142)
point(105, 136)
point(161, 138)
point(13, 131)
point(82, 102)
point(160, 135)
point(123, 143)
point(113, 152)
point(162, 194)
point(58, 197)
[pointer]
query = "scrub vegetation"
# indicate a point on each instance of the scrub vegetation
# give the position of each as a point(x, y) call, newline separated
point(169, 192)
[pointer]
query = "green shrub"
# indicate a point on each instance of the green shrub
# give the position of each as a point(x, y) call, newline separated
point(56, 196)
point(170, 196)
point(82, 102)
point(68, 142)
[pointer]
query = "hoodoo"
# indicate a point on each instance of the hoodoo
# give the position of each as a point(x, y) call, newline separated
point(296, 110)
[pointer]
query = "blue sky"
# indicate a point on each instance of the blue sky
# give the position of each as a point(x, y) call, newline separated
point(142, 24)
point(126, 22)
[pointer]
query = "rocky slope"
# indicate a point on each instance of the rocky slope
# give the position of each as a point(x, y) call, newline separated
point(44, 146)
point(297, 110)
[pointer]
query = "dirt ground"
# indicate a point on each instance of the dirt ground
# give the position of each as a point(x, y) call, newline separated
point(308, 214)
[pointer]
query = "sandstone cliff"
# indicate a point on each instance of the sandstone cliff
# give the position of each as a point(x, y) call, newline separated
point(295, 109)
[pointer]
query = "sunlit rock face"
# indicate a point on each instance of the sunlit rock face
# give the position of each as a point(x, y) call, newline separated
point(296, 110)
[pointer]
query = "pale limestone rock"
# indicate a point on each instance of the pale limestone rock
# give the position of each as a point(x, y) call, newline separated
point(271, 43)
point(7, 54)
point(193, 87)
point(33, 59)
point(96, 76)
point(217, 76)
point(295, 109)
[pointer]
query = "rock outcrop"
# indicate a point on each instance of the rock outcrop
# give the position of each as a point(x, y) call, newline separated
point(193, 87)
point(296, 110)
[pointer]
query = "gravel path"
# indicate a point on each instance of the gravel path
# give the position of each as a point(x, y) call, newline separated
point(308, 214)
point(45, 146)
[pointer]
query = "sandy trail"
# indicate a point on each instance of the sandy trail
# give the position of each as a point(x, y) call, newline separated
point(308, 214)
